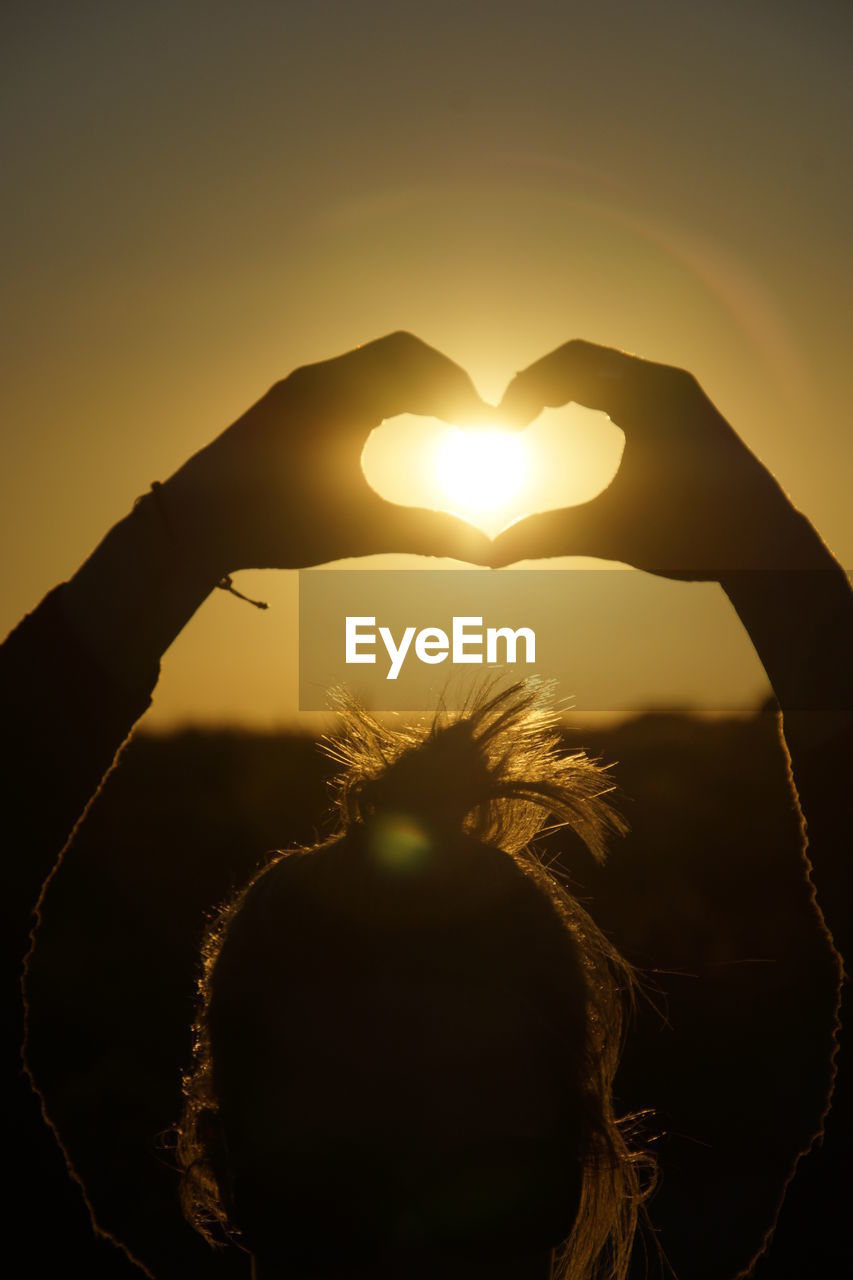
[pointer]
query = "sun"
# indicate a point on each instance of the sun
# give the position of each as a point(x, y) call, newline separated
point(480, 469)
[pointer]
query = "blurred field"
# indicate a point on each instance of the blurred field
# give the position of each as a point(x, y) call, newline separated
point(707, 895)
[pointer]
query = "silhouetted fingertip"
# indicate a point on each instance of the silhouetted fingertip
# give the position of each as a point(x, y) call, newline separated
point(468, 544)
point(502, 553)
point(520, 404)
point(506, 560)
point(423, 532)
point(471, 411)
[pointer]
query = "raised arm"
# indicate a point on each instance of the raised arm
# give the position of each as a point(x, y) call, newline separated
point(282, 487)
point(690, 501)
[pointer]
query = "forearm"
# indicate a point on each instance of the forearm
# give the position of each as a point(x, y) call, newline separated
point(799, 617)
point(75, 676)
point(137, 591)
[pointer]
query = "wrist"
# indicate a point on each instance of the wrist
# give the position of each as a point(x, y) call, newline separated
point(775, 538)
point(194, 523)
point(136, 592)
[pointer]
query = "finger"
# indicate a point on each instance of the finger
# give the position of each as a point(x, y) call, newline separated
point(597, 377)
point(405, 375)
point(570, 531)
point(421, 532)
point(401, 374)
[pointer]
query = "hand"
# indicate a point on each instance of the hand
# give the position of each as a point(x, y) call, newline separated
point(283, 487)
point(689, 500)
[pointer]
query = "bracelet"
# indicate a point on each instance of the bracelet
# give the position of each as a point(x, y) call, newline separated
point(225, 583)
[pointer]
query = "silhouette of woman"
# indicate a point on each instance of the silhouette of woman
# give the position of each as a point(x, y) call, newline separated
point(407, 1036)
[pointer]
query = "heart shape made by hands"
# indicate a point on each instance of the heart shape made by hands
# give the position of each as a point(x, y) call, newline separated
point(491, 476)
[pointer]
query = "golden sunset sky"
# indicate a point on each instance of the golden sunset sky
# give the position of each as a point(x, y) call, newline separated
point(199, 197)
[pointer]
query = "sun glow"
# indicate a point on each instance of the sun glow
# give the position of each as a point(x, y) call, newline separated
point(481, 469)
point(489, 475)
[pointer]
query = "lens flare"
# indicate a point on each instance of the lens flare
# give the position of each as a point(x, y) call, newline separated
point(480, 469)
point(399, 843)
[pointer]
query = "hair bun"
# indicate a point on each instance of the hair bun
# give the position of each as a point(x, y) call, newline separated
point(497, 770)
point(439, 782)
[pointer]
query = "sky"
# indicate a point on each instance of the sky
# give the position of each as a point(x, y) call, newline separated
point(200, 197)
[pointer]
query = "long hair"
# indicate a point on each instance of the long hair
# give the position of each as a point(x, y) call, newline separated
point(496, 773)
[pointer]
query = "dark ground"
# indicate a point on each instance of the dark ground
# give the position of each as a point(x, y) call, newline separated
point(707, 895)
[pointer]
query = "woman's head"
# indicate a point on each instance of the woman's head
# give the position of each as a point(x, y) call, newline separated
point(408, 1034)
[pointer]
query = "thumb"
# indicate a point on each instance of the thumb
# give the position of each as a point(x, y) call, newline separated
point(419, 531)
point(569, 531)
